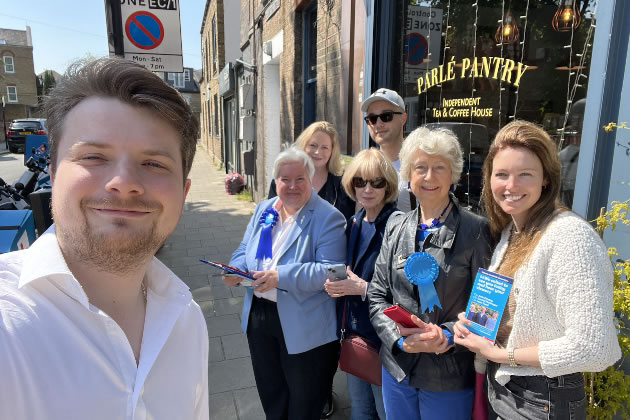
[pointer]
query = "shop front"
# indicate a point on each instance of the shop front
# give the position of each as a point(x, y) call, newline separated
point(474, 66)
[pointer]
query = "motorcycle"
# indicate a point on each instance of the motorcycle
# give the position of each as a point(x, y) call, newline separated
point(25, 205)
point(17, 225)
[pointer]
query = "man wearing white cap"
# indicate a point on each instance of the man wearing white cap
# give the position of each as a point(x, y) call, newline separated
point(385, 117)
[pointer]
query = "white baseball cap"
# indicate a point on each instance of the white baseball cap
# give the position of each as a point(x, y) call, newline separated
point(383, 94)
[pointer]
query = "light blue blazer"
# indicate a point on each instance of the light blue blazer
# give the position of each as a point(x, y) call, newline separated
point(307, 313)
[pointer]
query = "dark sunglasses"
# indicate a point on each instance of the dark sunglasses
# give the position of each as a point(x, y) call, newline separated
point(386, 116)
point(358, 182)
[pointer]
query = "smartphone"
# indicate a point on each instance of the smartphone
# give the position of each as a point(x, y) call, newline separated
point(400, 315)
point(336, 272)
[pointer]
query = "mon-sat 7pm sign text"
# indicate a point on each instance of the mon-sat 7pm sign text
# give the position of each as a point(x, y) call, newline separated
point(152, 34)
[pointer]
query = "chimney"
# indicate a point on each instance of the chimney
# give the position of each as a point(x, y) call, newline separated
point(29, 38)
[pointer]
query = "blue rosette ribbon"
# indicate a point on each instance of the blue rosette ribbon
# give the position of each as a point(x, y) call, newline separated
point(422, 269)
point(268, 220)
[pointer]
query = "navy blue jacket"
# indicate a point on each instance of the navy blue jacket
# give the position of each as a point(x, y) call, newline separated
point(357, 310)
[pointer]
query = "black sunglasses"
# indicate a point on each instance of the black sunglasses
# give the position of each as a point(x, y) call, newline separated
point(386, 116)
point(358, 182)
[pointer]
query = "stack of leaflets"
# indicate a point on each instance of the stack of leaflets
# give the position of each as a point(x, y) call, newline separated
point(487, 302)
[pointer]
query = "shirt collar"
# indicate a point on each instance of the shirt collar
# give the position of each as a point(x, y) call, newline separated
point(45, 260)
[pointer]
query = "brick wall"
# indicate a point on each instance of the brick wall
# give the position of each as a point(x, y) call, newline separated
point(329, 66)
point(24, 76)
point(212, 125)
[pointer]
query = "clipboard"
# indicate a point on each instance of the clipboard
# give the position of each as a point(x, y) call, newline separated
point(229, 269)
point(248, 279)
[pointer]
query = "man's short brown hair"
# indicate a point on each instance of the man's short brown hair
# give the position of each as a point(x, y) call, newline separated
point(129, 83)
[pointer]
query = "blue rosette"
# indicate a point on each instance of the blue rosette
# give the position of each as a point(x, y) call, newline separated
point(268, 220)
point(422, 269)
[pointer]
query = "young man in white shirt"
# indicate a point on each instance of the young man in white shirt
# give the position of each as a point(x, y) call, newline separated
point(92, 325)
point(385, 117)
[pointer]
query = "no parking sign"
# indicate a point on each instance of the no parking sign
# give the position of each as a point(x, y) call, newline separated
point(152, 34)
point(423, 41)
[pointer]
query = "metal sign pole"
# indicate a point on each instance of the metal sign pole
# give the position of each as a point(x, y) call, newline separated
point(4, 124)
point(115, 27)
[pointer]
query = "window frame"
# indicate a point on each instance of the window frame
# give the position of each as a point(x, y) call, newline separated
point(14, 93)
point(178, 80)
point(4, 62)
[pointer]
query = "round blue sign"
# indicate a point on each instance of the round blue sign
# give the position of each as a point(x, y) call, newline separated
point(416, 48)
point(144, 30)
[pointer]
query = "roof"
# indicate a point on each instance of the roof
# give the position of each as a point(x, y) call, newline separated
point(14, 37)
point(55, 75)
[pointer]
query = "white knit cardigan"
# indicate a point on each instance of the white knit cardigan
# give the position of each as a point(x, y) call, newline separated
point(563, 298)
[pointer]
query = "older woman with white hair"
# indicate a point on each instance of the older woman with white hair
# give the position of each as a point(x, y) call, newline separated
point(289, 319)
point(426, 266)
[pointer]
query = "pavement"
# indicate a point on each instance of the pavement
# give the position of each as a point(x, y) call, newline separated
point(211, 227)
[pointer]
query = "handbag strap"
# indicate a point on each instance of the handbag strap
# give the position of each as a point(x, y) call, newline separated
point(343, 319)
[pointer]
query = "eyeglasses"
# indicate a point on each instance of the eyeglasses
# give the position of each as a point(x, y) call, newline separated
point(358, 182)
point(386, 116)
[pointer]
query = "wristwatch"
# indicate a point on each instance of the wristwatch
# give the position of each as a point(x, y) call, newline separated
point(511, 359)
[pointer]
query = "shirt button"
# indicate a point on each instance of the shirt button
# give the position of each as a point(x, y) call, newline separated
point(546, 408)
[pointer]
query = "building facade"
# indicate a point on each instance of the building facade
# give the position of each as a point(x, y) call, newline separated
point(187, 85)
point(298, 60)
point(469, 66)
point(18, 85)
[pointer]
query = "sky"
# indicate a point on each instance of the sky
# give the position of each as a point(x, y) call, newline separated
point(66, 30)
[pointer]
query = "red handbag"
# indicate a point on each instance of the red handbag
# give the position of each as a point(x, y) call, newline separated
point(358, 356)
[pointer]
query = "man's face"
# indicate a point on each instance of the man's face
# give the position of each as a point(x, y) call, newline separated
point(118, 187)
point(386, 132)
point(293, 185)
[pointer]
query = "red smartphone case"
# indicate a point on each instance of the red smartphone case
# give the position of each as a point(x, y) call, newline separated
point(400, 315)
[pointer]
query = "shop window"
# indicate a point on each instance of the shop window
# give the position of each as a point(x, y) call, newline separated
point(8, 64)
point(474, 67)
point(12, 94)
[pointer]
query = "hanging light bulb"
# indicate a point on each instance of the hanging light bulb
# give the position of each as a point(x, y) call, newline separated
point(567, 16)
point(507, 31)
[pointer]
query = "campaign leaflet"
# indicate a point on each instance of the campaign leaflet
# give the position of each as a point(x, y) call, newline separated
point(487, 302)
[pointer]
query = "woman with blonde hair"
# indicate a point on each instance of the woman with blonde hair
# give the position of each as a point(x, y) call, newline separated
point(558, 321)
point(321, 142)
point(372, 181)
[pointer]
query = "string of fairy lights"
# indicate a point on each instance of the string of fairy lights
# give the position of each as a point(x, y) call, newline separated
point(446, 46)
point(577, 71)
point(475, 5)
point(500, 44)
point(522, 44)
point(428, 61)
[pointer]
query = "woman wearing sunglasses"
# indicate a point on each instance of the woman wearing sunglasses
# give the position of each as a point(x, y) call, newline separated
point(372, 181)
point(321, 142)
point(427, 265)
point(558, 320)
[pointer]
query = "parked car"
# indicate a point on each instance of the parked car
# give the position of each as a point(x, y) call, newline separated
point(19, 129)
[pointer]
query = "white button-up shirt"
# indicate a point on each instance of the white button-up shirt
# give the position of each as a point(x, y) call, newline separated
point(63, 358)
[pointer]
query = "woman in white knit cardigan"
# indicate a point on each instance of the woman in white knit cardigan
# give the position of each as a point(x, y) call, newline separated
point(558, 321)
